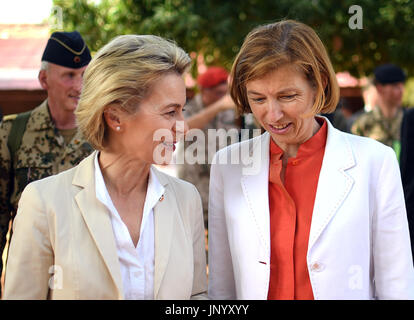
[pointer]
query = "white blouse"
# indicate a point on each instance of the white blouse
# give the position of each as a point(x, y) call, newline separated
point(137, 263)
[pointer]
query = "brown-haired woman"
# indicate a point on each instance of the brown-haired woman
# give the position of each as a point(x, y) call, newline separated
point(322, 216)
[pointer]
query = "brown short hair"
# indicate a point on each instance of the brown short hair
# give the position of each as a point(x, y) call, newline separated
point(271, 46)
point(122, 73)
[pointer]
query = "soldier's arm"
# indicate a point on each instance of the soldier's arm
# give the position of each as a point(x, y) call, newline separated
point(5, 213)
point(357, 127)
point(202, 118)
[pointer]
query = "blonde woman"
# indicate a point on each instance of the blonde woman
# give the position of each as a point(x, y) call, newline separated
point(322, 216)
point(115, 227)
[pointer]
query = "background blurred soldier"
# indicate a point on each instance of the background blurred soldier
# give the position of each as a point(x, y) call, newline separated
point(44, 141)
point(212, 108)
point(383, 123)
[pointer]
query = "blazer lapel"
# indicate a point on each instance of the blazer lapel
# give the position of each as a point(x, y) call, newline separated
point(255, 183)
point(97, 218)
point(164, 212)
point(334, 183)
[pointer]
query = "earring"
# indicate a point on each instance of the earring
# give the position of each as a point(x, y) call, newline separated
point(118, 128)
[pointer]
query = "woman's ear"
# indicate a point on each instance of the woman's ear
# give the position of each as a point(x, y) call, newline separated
point(324, 80)
point(112, 116)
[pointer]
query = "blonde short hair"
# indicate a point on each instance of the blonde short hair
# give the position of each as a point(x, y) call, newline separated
point(122, 73)
point(271, 46)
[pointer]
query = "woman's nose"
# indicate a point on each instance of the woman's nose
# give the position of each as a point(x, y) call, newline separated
point(181, 128)
point(275, 111)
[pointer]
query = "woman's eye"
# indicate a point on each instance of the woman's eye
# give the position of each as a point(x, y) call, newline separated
point(289, 97)
point(257, 100)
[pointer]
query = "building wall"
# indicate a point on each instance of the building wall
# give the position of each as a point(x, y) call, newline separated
point(16, 101)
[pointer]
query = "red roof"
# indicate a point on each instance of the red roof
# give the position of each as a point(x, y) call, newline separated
point(21, 53)
point(21, 49)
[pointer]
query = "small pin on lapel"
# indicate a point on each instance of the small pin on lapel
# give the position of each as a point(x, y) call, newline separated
point(162, 198)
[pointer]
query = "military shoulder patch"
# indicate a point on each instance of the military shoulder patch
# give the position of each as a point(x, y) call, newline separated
point(10, 117)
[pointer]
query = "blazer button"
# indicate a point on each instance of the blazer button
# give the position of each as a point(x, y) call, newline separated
point(317, 267)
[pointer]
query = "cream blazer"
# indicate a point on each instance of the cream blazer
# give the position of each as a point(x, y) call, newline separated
point(359, 245)
point(63, 246)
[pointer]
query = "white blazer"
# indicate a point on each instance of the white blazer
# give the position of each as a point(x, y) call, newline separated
point(359, 245)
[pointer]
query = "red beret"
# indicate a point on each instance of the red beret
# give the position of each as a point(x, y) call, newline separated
point(212, 77)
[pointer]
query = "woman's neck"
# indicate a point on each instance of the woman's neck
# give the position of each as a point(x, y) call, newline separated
point(122, 175)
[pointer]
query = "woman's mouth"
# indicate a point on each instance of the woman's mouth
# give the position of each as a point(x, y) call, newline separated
point(280, 128)
point(169, 145)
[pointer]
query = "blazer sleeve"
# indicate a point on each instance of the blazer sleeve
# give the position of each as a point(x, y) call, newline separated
point(221, 276)
point(199, 291)
point(30, 255)
point(393, 263)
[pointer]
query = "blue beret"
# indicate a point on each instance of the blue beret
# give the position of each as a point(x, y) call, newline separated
point(67, 49)
point(389, 73)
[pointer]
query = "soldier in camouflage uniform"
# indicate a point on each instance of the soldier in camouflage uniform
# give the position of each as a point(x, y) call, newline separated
point(373, 124)
point(383, 123)
point(49, 140)
point(212, 108)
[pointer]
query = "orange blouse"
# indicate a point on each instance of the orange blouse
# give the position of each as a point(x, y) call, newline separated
point(291, 207)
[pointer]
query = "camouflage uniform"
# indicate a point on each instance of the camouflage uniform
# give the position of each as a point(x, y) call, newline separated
point(42, 153)
point(199, 174)
point(374, 125)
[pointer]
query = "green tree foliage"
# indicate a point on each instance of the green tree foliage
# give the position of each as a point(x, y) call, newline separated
point(216, 28)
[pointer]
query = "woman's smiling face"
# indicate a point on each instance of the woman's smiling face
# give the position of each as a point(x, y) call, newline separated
point(282, 102)
point(151, 133)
